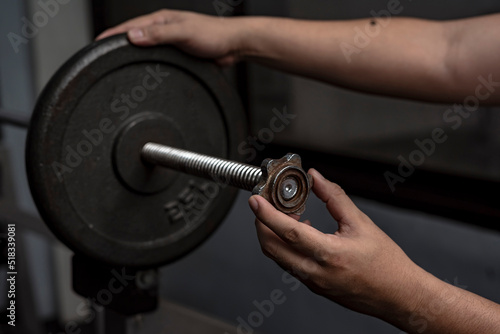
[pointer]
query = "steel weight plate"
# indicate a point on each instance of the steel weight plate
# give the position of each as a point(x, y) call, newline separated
point(83, 151)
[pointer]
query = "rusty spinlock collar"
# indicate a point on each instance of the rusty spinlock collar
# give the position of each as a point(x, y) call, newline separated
point(285, 184)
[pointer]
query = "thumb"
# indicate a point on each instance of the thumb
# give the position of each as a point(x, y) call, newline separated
point(340, 206)
point(155, 34)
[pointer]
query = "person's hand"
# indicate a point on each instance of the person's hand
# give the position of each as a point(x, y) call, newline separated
point(359, 266)
point(200, 35)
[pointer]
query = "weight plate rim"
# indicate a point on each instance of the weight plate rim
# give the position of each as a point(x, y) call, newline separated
point(35, 173)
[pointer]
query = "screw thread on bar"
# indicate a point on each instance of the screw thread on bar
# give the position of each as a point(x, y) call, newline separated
point(219, 170)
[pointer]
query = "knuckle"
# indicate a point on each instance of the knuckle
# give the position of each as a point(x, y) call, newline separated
point(162, 13)
point(336, 190)
point(322, 257)
point(265, 251)
point(267, 246)
point(322, 284)
point(318, 281)
point(269, 251)
point(343, 222)
point(337, 261)
point(291, 236)
point(331, 256)
point(349, 217)
point(158, 17)
point(172, 15)
point(307, 269)
point(154, 33)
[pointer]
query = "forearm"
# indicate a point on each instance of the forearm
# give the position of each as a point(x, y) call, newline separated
point(403, 57)
point(430, 305)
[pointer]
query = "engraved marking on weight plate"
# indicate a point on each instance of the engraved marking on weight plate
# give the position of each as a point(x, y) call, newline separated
point(191, 202)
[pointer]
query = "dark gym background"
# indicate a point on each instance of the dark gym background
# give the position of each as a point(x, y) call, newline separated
point(443, 216)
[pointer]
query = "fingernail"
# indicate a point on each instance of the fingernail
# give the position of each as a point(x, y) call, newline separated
point(136, 34)
point(254, 205)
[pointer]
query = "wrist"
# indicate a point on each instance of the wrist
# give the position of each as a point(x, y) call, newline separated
point(250, 32)
point(405, 307)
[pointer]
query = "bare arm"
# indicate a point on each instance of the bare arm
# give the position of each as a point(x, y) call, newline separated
point(409, 58)
point(401, 57)
point(361, 268)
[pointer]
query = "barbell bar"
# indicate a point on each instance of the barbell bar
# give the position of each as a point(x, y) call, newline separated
point(282, 182)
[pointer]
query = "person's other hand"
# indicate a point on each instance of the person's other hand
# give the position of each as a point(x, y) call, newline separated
point(200, 35)
point(359, 266)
